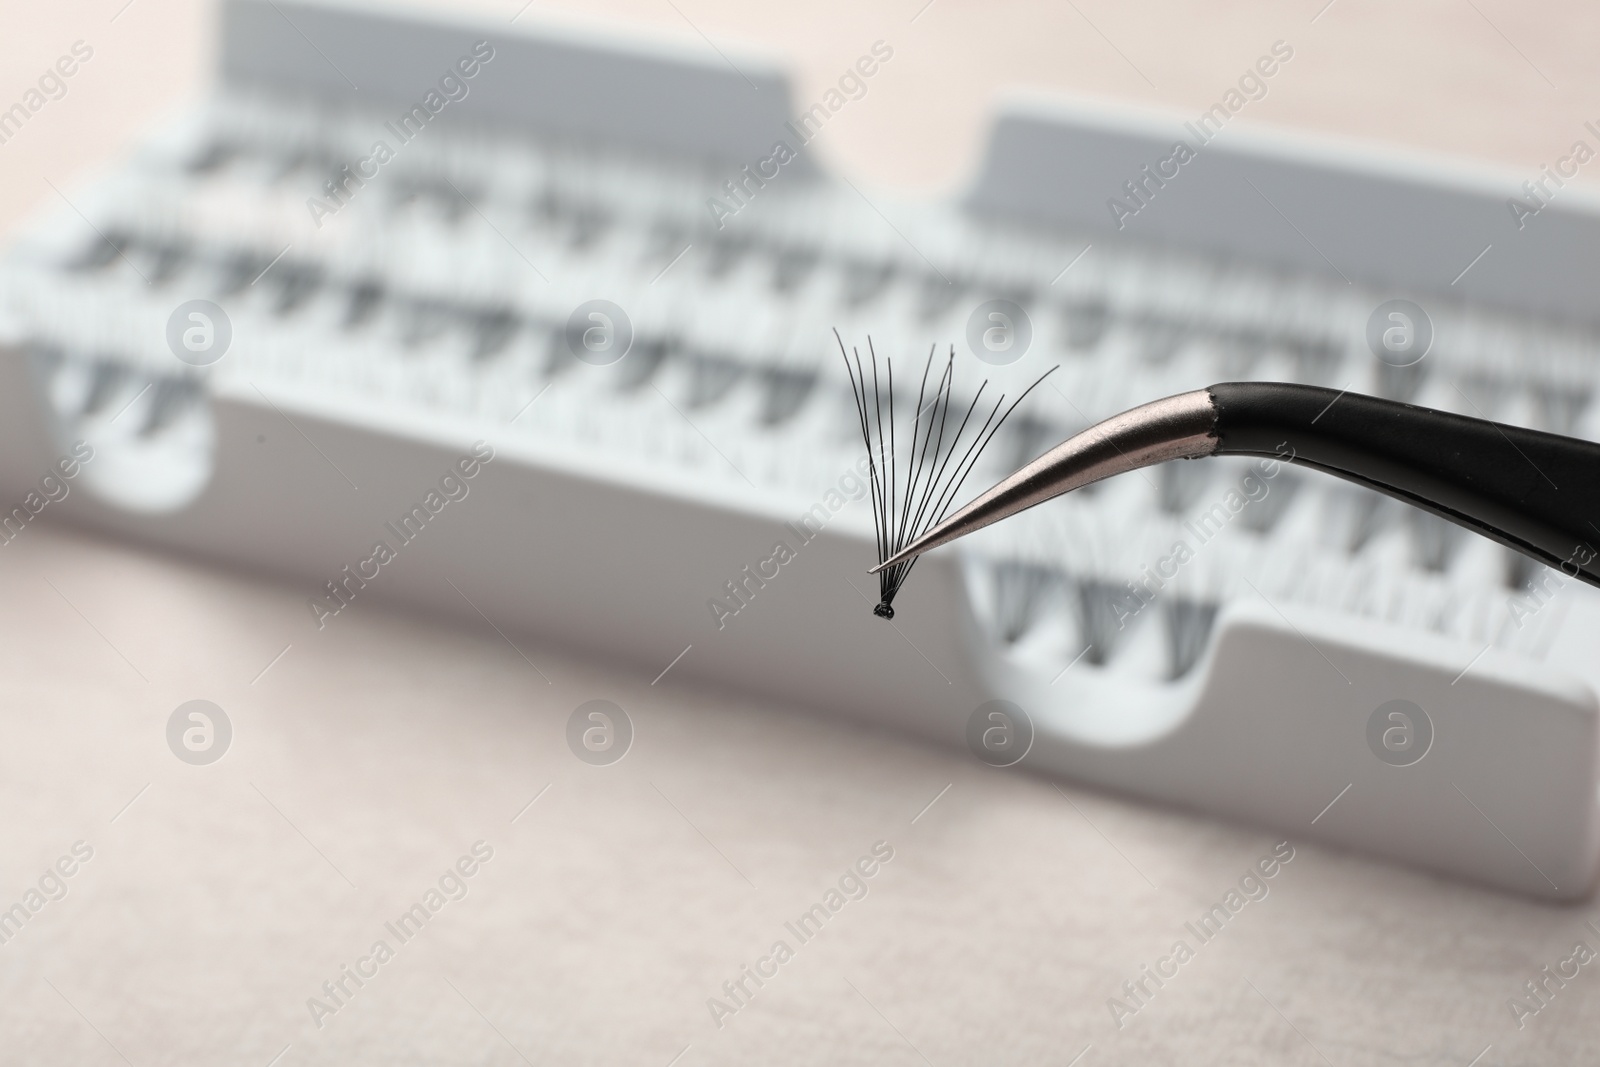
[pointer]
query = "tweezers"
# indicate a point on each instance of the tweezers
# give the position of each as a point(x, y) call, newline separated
point(1537, 493)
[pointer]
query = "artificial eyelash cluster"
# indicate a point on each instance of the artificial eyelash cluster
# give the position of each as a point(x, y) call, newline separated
point(908, 502)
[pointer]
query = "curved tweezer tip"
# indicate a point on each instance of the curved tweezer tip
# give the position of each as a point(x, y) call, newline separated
point(1179, 427)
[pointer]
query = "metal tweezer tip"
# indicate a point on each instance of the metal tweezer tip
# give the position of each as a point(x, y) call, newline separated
point(1178, 427)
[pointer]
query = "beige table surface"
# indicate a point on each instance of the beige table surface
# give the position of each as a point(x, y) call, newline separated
point(219, 899)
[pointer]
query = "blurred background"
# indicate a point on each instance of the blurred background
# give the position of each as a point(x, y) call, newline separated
point(438, 625)
point(1449, 77)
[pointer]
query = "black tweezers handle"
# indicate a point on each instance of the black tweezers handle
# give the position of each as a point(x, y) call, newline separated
point(1538, 493)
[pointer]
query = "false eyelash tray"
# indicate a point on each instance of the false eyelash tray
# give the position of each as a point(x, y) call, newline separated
point(1260, 683)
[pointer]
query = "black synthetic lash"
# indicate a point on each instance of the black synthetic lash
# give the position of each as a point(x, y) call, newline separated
point(907, 503)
